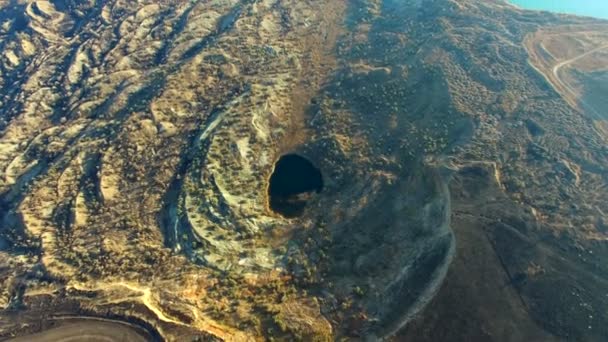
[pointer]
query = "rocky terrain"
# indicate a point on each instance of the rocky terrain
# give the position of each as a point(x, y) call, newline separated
point(462, 146)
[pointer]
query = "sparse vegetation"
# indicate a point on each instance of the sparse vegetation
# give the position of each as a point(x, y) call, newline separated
point(137, 139)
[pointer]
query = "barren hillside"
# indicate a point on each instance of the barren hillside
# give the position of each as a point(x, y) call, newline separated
point(250, 170)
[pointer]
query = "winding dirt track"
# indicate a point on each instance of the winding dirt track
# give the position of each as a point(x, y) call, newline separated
point(89, 329)
point(565, 86)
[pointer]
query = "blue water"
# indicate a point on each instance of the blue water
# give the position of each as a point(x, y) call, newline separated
point(590, 8)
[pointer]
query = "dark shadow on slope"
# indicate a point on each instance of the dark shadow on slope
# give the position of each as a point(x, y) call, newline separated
point(292, 183)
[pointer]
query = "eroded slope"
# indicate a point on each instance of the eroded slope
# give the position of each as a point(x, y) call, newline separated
point(138, 139)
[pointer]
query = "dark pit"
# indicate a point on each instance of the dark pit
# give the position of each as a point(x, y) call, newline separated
point(294, 181)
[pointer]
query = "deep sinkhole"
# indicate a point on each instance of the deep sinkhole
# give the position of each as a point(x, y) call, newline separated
point(294, 180)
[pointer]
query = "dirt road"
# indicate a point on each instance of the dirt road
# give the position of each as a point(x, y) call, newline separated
point(91, 330)
point(589, 108)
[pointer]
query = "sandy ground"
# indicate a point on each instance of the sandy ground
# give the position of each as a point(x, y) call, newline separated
point(560, 52)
